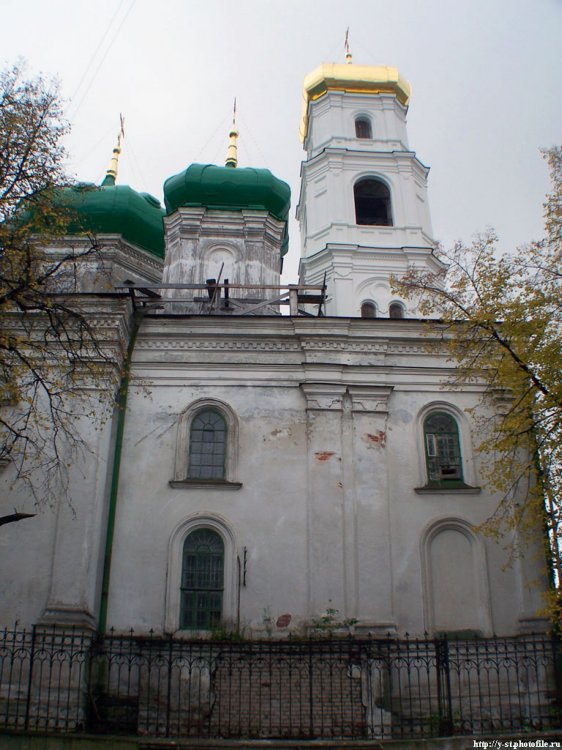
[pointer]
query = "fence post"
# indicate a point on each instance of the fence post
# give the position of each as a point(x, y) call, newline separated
point(557, 664)
point(169, 684)
point(444, 704)
point(310, 690)
point(30, 678)
point(89, 681)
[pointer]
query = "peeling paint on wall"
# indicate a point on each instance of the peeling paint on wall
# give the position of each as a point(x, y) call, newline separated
point(324, 455)
point(281, 433)
point(378, 439)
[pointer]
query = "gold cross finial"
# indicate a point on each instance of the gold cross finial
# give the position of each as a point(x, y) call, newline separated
point(348, 56)
point(232, 153)
point(111, 174)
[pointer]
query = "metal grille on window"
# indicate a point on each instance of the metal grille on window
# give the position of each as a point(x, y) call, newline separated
point(202, 581)
point(442, 448)
point(207, 446)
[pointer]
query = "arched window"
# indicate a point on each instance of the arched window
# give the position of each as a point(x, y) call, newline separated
point(202, 580)
point(396, 310)
point(442, 448)
point(363, 128)
point(368, 310)
point(372, 203)
point(207, 446)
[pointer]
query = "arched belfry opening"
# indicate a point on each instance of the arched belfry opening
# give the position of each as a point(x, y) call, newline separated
point(372, 203)
point(396, 310)
point(368, 310)
point(363, 128)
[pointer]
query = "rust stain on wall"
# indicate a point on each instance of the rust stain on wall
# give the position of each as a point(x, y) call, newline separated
point(283, 620)
point(324, 455)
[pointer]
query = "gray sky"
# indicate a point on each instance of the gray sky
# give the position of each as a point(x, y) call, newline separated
point(486, 78)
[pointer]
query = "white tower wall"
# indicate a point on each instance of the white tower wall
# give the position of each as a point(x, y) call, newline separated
point(358, 260)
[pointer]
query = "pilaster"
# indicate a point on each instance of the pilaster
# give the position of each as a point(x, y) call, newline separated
point(369, 405)
point(325, 497)
point(347, 503)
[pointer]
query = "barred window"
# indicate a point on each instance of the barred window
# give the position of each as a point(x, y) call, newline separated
point(207, 446)
point(202, 580)
point(442, 448)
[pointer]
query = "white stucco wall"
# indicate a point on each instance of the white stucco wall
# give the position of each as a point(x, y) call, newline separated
point(329, 514)
point(330, 456)
point(358, 260)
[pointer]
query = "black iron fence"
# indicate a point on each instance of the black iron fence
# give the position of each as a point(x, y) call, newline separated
point(67, 681)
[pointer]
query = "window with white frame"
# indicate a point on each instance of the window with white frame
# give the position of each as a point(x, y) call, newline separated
point(207, 446)
point(201, 579)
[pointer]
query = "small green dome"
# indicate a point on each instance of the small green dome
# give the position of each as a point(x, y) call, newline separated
point(229, 188)
point(116, 209)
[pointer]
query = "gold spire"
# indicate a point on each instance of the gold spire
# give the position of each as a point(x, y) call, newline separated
point(348, 55)
point(111, 174)
point(232, 153)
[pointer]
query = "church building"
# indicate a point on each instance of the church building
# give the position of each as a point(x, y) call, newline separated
point(277, 454)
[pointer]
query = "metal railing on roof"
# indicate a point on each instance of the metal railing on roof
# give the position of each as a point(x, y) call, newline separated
point(225, 298)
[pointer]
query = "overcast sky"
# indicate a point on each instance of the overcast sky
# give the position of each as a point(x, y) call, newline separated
point(486, 79)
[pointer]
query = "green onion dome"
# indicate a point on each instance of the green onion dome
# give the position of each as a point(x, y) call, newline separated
point(116, 209)
point(231, 189)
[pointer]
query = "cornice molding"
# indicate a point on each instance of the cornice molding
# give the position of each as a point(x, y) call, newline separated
point(111, 246)
point(356, 347)
point(300, 344)
point(204, 344)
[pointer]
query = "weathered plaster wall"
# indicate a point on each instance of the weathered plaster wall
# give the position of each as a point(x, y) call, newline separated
point(330, 455)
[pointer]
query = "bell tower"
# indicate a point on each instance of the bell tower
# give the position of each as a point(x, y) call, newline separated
point(363, 207)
